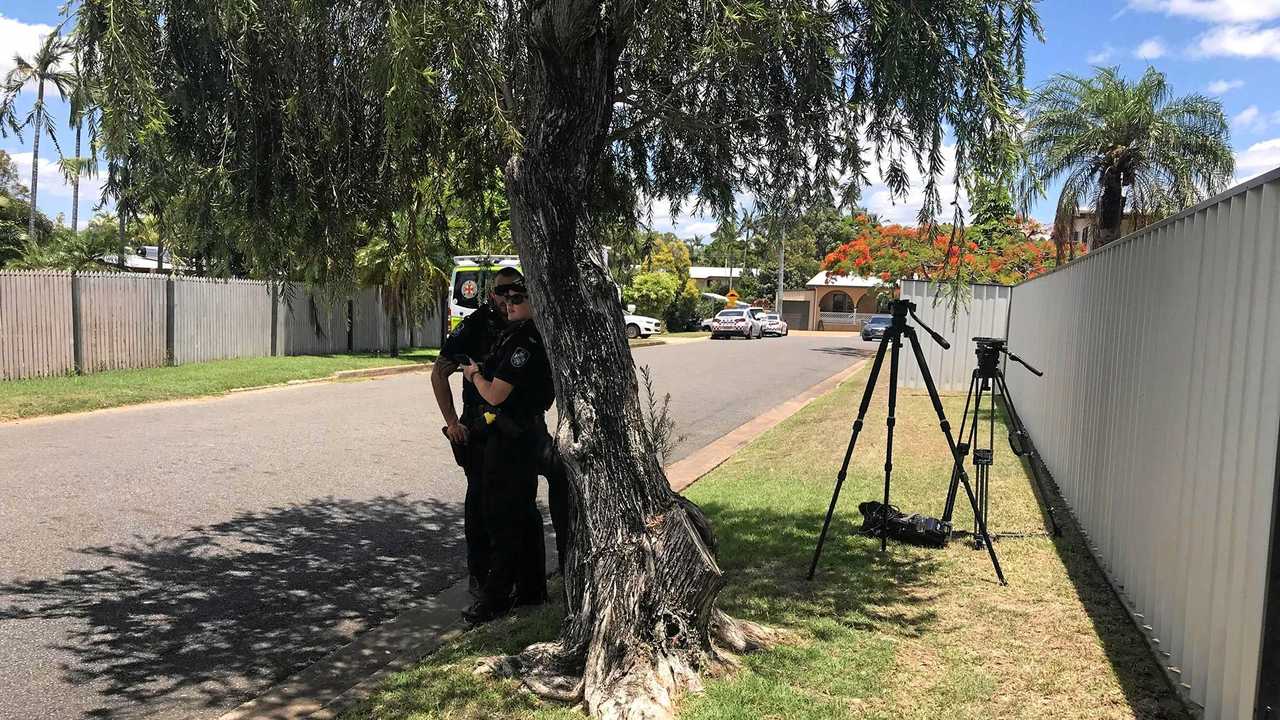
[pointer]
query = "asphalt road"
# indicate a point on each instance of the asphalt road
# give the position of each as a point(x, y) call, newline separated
point(172, 561)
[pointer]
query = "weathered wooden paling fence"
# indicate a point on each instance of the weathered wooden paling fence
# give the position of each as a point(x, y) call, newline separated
point(52, 323)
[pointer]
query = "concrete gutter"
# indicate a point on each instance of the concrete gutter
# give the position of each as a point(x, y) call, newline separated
point(381, 371)
point(353, 673)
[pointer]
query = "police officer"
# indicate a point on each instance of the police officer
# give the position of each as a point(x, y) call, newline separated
point(474, 338)
point(516, 386)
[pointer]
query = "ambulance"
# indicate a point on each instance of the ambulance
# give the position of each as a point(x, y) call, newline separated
point(473, 275)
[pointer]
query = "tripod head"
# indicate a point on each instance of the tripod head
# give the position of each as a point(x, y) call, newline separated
point(989, 350)
point(901, 308)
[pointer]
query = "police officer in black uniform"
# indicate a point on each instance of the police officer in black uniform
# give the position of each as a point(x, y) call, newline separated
point(473, 339)
point(516, 386)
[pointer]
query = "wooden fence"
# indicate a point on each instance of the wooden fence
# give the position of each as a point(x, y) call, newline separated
point(217, 319)
point(35, 324)
point(54, 323)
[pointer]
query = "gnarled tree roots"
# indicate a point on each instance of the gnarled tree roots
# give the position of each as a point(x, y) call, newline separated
point(645, 684)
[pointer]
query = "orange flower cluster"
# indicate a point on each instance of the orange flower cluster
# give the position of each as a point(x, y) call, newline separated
point(895, 252)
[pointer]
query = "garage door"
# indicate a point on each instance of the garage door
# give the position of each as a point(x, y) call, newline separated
point(796, 313)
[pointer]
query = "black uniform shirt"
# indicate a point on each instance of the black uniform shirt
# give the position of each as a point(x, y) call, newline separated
point(521, 359)
point(476, 336)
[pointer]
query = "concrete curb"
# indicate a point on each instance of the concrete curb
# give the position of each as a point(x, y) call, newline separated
point(334, 684)
point(633, 344)
point(381, 371)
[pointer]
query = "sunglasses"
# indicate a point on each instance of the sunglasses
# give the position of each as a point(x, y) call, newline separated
point(516, 298)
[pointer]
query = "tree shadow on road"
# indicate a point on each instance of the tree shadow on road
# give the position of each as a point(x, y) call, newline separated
point(223, 610)
point(854, 352)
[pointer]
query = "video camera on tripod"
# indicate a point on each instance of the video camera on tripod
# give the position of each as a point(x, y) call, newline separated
point(882, 519)
point(900, 309)
point(987, 379)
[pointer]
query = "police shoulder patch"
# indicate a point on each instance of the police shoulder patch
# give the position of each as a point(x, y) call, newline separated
point(519, 357)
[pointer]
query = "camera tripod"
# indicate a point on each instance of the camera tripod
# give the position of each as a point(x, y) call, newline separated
point(987, 379)
point(892, 341)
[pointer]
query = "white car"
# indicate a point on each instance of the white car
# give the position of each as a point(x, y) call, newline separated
point(775, 325)
point(737, 323)
point(640, 326)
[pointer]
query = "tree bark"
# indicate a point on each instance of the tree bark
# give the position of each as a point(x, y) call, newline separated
point(641, 578)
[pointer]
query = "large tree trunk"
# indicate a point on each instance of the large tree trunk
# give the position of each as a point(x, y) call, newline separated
point(641, 578)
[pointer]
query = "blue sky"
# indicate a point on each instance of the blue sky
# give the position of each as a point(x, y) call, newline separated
point(1225, 48)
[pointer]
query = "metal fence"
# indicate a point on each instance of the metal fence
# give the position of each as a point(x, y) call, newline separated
point(52, 323)
point(1159, 416)
point(983, 313)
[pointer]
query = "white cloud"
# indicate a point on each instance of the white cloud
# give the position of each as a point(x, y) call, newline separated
point(1150, 49)
point(1254, 120)
point(1247, 41)
point(17, 37)
point(1246, 117)
point(1218, 87)
point(1099, 57)
point(54, 192)
point(1214, 11)
point(1258, 159)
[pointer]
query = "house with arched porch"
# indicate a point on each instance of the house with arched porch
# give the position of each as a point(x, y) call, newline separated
point(831, 302)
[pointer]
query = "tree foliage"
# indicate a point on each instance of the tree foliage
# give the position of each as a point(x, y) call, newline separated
point(652, 292)
point(1122, 146)
point(42, 69)
point(297, 124)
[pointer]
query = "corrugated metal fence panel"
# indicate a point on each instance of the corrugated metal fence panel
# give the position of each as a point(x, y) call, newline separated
point(984, 315)
point(312, 322)
point(217, 319)
point(35, 325)
point(1159, 414)
point(122, 320)
point(370, 328)
point(427, 329)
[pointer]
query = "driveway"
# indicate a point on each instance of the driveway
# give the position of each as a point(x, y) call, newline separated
point(172, 561)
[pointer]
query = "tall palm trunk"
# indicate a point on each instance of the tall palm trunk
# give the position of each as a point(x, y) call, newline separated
point(75, 185)
point(120, 254)
point(1111, 212)
point(35, 161)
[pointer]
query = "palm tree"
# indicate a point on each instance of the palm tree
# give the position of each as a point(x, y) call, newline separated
point(75, 167)
point(44, 67)
point(1114, 144)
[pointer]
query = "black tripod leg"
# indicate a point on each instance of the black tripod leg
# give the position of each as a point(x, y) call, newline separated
point(951, 442)
point(848, 451)
point(1033, 455)
point(977, 475)
point(954, 487)
point(888, 448)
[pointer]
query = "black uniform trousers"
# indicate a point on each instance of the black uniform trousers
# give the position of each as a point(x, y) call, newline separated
point(470, 456)
point(511, 517)
point(536, 447)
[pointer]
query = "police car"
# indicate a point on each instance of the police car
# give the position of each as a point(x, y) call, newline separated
point(473, 275)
